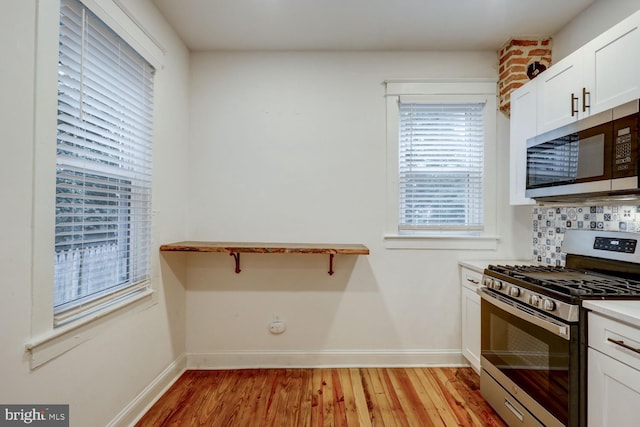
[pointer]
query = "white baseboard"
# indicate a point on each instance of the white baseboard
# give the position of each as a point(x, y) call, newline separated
point(329, 358)
point(143, 401)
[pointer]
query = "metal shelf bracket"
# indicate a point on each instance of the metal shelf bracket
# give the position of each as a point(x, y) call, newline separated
point(236, 256)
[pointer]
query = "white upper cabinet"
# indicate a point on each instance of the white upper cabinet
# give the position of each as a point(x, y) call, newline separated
point(559, 91)
point(522, 127)
point(611, 65)
point(600, 75)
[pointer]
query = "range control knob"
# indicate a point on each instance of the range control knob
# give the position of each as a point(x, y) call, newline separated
point(549, 305)
point(497, 285)
point(488, 282)
point(534, 300)
point(514, 292)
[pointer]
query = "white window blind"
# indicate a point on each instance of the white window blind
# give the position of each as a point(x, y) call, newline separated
point(441, 166)
point(103, 169)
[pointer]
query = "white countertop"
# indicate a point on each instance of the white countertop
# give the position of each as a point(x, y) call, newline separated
point(480, 264)
point(624, 311)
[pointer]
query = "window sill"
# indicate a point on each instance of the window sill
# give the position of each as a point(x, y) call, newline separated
point(58, 341)
point(470, 243)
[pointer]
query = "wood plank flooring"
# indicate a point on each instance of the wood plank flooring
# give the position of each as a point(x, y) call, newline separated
point(407, 397)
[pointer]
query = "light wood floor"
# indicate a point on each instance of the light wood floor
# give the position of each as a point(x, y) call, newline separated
point(413, 397)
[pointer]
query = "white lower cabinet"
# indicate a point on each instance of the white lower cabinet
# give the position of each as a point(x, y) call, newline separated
point(614, 392)
point(470, 280)
point(613, 373)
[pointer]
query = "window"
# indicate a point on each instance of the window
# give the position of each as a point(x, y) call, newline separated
point(441, 162)
point(103, 167)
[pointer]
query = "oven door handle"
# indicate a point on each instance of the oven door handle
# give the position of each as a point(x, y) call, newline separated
point(560, 330)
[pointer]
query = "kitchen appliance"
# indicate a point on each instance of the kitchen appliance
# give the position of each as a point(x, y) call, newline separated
point(595, 156)
point(534, 328)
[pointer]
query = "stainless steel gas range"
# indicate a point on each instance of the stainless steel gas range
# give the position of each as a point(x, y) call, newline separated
point(534, 328)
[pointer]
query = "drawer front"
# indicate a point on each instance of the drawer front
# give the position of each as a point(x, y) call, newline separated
point(469, 278)
point(616, 339)
point(505, 404)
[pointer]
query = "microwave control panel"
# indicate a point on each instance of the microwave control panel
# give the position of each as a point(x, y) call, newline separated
point(625, 140)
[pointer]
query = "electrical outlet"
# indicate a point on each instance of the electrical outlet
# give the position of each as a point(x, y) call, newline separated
point(277, 325)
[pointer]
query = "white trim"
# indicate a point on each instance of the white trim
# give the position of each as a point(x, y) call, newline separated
point(122, 22)
point(47, 343)
point(326, 358)
point(44, 161)
point(139, 406)
point(102, 303)
point(135, 20)
point(55, 342)
point(396, 241)
point(439, 89)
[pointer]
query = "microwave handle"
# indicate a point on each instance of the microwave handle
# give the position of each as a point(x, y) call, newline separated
point(556, 329)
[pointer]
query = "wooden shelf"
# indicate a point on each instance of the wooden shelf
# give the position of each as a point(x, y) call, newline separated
point(236, 248)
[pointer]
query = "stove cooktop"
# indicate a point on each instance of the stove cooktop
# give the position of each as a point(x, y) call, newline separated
point(569, 283)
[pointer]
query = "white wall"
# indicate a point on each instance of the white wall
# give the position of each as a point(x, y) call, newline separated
point(100, 377)
point(599, 17)
point(290, 147)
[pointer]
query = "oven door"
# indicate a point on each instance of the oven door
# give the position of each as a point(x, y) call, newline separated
point(533, 358)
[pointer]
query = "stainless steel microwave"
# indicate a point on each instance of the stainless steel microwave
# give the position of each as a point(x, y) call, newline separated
point(595, 156)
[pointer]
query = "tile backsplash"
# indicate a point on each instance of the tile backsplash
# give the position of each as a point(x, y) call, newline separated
point(550, 223)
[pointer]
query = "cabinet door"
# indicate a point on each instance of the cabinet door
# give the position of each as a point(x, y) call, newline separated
point(559, 93)
point(471, 327)
point(522, 126)
point(611, 65)
point(613, 392)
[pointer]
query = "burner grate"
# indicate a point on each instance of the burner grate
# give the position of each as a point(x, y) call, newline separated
point(571, 282)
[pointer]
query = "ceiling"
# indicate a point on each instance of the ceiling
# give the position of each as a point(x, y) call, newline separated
point(364, 24)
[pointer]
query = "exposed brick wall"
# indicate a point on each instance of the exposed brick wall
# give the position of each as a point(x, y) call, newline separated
point(514, 58)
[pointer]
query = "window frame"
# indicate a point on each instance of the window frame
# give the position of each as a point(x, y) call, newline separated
point(46, 341)
point(464, 90)
point(104, 164)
